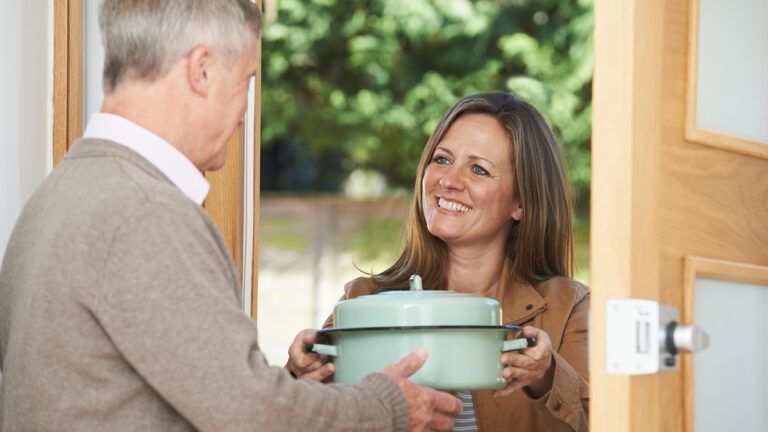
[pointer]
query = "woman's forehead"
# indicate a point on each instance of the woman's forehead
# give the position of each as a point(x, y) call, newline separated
point(478, 135)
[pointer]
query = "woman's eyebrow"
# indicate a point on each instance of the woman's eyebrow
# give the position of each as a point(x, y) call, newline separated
point(470, 157)
point(474, 157)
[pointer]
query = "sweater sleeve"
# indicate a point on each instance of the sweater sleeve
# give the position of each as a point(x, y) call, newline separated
point(169, 302)
point(566, 406)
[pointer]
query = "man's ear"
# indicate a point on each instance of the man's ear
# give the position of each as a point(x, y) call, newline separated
point(199, 69)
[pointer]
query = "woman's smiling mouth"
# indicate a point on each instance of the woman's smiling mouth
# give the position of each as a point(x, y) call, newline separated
point(452, 206)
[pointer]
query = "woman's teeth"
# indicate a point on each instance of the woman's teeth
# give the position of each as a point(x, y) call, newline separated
point(452, 206)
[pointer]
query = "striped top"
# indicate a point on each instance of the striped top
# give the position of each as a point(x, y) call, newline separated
point(465, 420)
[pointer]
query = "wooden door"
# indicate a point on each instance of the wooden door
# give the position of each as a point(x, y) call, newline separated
point(671, 201)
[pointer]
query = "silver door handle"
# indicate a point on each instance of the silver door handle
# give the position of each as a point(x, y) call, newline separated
point(684, 338)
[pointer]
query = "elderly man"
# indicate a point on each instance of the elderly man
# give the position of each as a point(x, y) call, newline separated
point(119, 303)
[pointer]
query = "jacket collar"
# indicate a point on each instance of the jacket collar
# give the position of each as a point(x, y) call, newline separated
point(520, 301)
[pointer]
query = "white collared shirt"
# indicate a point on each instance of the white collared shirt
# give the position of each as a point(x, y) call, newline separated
point(159, 152)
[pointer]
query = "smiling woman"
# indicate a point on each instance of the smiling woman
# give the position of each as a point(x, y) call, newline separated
point(491, 216)
point(468, 190)
point(497, 148)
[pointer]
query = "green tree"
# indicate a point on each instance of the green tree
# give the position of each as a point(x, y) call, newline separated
point(371, 78)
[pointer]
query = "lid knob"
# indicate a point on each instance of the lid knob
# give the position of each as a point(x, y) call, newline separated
point(415, 282)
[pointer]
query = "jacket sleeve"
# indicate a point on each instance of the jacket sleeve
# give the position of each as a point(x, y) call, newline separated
point(170, 305)
point(566, 406)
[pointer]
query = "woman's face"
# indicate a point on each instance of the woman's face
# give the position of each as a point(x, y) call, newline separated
point(468, 186)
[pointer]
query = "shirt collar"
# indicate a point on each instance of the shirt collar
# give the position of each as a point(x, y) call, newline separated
point(159, 152)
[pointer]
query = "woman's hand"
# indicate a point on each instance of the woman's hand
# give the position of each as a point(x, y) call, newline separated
point(306, 365)
point(532, 367)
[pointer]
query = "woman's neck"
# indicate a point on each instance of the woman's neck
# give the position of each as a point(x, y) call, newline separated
point(475, 271)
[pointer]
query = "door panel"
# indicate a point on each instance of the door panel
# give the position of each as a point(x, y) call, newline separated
point(657, 198)
point(703, 279)
point(731, 45)
point(731, 376)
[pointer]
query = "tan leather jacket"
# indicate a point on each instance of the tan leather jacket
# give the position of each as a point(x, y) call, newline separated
point(560, 307)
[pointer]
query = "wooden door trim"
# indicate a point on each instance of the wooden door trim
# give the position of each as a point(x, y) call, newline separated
point(693, 268)
point(67, 75)
point(626, 137)
point(693, 132)
point(224, 202)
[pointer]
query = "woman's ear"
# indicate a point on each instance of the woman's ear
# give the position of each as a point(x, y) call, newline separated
point(199, 69)
point(517, 212)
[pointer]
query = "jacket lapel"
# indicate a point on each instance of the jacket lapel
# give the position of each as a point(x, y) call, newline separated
point(520, 301)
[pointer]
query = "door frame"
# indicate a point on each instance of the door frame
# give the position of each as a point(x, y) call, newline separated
point(628, 67)
point(67, 75)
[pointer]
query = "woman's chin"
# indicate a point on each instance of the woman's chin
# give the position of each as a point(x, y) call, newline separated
point(447, 236)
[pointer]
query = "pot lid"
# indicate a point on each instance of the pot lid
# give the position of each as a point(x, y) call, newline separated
point(417, 307)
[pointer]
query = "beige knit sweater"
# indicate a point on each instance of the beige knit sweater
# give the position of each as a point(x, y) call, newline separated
point(120, 310)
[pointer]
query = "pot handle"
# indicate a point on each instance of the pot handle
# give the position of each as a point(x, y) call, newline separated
point(517, 344)
point(329, 350)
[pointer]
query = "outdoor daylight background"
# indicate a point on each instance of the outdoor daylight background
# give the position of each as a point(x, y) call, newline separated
point(351, 90)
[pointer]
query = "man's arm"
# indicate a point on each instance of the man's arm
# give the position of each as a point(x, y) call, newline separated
point(170, 305)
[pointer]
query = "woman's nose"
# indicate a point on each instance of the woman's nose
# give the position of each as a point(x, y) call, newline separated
point(452, 179)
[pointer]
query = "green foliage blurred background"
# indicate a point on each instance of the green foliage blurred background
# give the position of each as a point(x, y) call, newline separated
point(351, 91)
point(360, 84)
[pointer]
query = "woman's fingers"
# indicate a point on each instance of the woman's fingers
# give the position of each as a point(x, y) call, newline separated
point(530, 331)
point(515, 379)
point(321, 373)
point(508, 390)
point(317, 364)
point(309, 336)
point(526, 366)
point(527, 358)
point(301, 362)
point(515, 359)
point(298, 357)
point(517, 375)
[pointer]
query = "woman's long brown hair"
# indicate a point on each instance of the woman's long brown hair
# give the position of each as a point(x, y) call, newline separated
point(540, 245)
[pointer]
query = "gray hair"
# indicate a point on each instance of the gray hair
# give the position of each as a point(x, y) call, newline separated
point(146, 37)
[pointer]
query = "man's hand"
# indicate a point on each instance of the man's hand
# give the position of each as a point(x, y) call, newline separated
point(428, 409)
point(305, 365)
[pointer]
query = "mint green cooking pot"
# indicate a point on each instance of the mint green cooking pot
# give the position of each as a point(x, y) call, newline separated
point(462, 333)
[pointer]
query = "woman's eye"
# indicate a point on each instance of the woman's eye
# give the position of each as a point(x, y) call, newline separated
point(440, 160)
point(477, 169)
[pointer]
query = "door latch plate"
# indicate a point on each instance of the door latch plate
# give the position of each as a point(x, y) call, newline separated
point(635, 336)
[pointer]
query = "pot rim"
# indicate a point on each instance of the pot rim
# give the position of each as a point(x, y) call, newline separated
point(505, 327)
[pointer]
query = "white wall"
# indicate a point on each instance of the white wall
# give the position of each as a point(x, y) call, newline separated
point(24, 105)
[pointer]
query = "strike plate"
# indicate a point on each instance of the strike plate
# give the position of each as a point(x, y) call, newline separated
point(635, 336)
